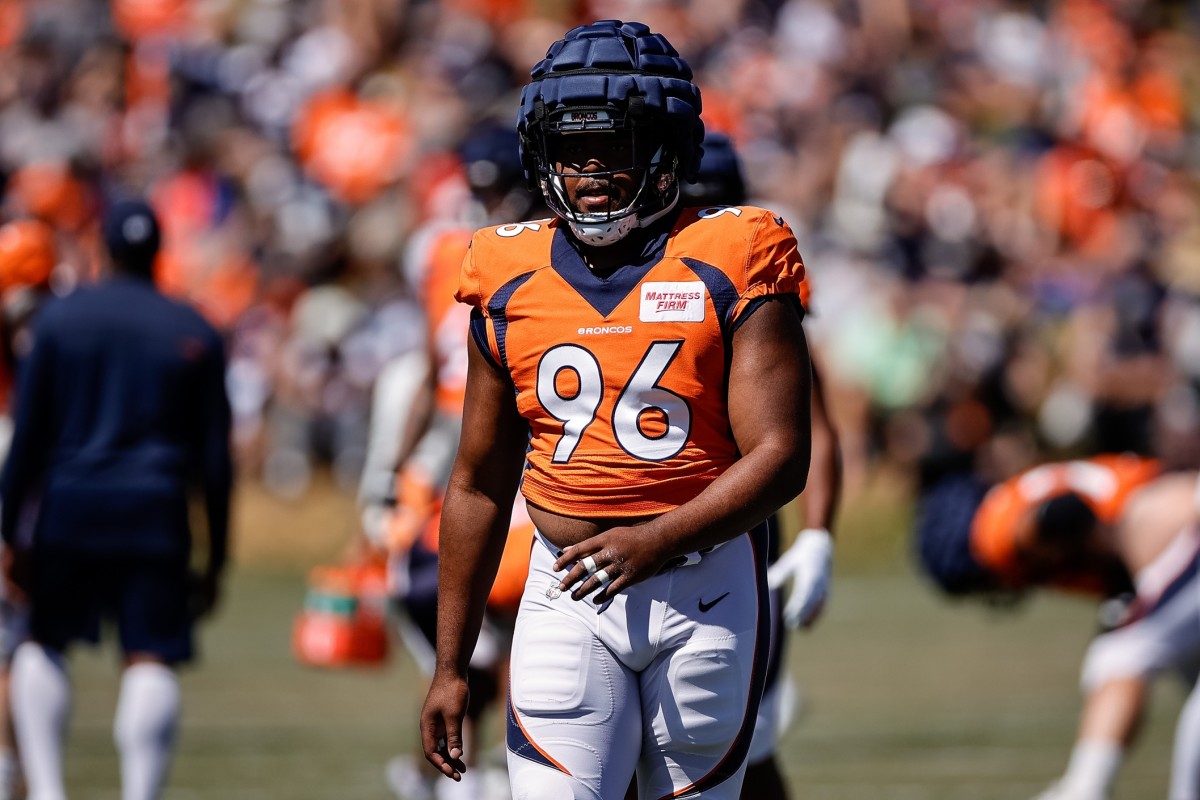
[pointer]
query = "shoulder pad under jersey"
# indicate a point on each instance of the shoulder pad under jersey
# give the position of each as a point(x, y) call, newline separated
point(503, 252)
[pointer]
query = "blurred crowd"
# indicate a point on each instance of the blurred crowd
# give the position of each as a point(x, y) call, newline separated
point(997, 201)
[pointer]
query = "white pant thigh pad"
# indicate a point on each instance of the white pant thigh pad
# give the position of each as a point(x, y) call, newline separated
point(664, 672)
point(696, 694)
point(574, 724)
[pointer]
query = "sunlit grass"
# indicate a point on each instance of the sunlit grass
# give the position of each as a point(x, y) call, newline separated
point(906, 697)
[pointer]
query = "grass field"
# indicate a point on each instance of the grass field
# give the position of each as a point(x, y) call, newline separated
point(905, 697)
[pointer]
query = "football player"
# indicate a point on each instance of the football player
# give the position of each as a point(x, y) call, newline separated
point(416, 421)
point(1103, 526)
point(639, 371)
point(808, 562)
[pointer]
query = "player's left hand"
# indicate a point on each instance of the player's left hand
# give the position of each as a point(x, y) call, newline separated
point(204, 592)
point(610, 562)
point(808, 564)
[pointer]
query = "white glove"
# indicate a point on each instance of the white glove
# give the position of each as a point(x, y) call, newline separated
point(1060, 792)
point(808, 564)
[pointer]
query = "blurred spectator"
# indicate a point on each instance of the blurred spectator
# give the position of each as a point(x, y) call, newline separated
point(998, 200)
point(121, 415)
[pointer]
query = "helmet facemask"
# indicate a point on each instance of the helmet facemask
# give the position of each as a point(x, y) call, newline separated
point(601, 151)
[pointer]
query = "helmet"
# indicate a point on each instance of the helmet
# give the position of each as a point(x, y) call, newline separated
point(719, 182)
point(491, 154)
point(619, 78)
point(27, 253)
point(491, 158)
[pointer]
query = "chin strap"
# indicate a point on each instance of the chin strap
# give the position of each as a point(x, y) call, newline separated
point(597, 234)
point(604, 234)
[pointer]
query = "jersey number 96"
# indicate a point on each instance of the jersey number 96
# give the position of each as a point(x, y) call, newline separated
point(648, 421)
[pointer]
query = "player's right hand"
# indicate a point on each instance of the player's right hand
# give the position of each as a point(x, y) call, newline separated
point(441, 724)
point(204, 593)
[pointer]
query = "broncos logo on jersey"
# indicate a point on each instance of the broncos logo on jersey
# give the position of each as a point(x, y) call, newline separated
point(623, 379)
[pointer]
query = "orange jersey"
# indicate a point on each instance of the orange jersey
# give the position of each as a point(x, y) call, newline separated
point(1105, 483)
point(448, 322)
point(509, 584)
point(623, 379)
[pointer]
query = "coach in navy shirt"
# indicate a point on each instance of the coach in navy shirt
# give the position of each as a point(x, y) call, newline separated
point(121, 422)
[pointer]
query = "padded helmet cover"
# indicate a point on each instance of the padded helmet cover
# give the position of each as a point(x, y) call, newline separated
point(620, 66)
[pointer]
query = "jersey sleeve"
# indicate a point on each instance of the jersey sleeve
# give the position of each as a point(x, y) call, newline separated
point(773, 266)
point(470, 292)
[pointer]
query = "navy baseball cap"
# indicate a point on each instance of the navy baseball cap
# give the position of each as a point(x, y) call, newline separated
point(131, 234)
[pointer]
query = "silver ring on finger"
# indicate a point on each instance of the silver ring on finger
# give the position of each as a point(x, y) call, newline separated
point(589, 564)
point(603, 577)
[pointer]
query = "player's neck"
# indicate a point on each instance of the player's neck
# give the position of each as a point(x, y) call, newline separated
point(604, 261)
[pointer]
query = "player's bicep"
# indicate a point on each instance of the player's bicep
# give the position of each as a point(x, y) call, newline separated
point(494, 435)
point(770, 382)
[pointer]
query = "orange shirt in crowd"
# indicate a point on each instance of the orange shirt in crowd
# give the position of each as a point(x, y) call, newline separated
point(352, 146)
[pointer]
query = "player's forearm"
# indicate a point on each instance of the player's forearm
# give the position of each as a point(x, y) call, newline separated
point(217, 511)
point(420, 420)
point(770, 414)
point(821, 495)
point(472, 534)
point(824, 490)
point(218, 489)
point(399, 415)
point(755, 487)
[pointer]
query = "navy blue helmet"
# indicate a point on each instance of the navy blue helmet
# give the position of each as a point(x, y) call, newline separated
point(615, 78)
point(491, 159)
point(491, 155)
point(719, 182)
